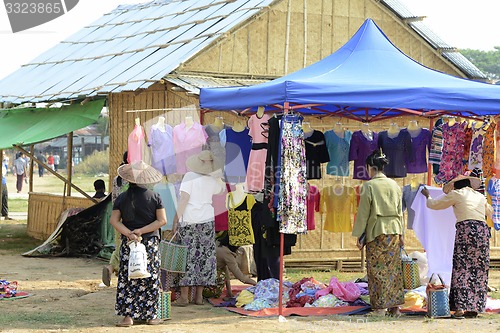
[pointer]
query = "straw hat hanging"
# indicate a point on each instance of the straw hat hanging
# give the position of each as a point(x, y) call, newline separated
point(139, 173)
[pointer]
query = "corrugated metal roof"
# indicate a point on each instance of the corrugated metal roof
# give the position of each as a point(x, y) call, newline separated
point(397, 7)
point(128, 48)
point(468, 67)
point(193, 83)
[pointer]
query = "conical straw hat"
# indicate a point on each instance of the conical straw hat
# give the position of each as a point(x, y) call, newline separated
point(139, 173)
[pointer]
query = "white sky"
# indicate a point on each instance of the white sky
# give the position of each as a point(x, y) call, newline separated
point(460, 23)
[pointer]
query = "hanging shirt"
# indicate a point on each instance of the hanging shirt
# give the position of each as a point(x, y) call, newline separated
point(489, 151)
point(316, 153)
point(397, 150)
point(435, 229)
point(409, 194)
point(338, 202)
point(421, 144)
point(169, 199)
point(476, 148)
point(161, 142)
point(494, 192)
point(436, 146)
point(136, 144)
point(360, 148)
point(451, 164)
point(338, 151)
point(214, 144)
point(258, 129)
point(238, 145)
point(187, 142)
point(313, 204)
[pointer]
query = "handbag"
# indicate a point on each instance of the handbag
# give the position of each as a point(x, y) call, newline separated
point(173, 256)
point(164, 304)
point(438, 305)
point(239, 224)
point(411, 274)
point(137, 261)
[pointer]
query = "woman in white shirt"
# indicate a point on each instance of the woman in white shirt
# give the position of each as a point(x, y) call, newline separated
point(471, 253)
point(195, 221)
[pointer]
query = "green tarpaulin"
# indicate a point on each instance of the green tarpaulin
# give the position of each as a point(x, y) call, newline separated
point(31, 125)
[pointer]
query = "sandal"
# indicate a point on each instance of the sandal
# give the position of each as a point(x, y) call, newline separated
point(470, 314)
point(156, 321)
point(179, 303)
point(125, 323)
point(199, 303)
point(459, 314)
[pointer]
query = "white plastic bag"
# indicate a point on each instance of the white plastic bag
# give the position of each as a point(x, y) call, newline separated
point(137, 261)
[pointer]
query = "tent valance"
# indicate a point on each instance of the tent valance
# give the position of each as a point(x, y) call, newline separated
point(27, 126)
point(366, 79)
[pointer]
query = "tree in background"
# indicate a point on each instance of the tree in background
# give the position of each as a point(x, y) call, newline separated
point(487, 61)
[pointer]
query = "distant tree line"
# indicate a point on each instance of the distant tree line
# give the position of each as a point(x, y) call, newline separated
point(487, 61)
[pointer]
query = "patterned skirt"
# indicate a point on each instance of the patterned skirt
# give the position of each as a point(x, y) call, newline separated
point(201, 264)
point(385, 276)
point(138, 298)
point(471, 263)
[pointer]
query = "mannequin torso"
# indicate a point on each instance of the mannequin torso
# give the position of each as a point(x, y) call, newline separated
point(238, 195)
point(306, 127)
point(160, 125)
point(413, 128)
point(338, 129)
point(188, 122)
point(218, 123)
point(367, 132)
point(393, 130)
point(238, 126)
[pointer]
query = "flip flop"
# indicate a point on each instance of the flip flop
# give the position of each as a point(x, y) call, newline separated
point(156, 321)
point(124, 324)
point(106, 276)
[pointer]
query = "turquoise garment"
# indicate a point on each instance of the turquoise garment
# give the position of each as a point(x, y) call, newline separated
point(338, 149)
point(169, 199)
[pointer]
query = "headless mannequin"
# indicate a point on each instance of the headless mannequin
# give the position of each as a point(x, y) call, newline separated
point(393, 130)
point(137, 121)
point(367, 132)
point(338, 129)
point(160, 124)
point(189, 122)
point(306, 127)
point(260, 111)
point(413, 128)
point(238, 126)
point(451, 121)
point(218, 123)
point(238, 194)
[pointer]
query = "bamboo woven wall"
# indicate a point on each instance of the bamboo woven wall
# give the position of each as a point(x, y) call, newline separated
point(262, 45)
point(44, 210)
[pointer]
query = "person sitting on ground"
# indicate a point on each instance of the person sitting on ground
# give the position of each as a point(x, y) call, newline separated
point(100, 189)
point(226, 260)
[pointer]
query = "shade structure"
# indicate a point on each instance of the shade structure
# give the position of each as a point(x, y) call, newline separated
point(367, 78)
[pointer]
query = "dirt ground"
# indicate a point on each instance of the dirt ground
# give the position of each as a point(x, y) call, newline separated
point(66, 297)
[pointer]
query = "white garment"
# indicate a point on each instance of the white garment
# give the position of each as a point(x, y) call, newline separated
point(200, 188)
point(436, 231)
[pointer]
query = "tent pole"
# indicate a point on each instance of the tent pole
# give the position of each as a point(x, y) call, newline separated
point(32, 163)
point(69, 163)
point(1, 183)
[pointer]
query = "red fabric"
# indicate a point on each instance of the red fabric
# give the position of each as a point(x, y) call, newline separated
point(313, 200)
point(220, 208)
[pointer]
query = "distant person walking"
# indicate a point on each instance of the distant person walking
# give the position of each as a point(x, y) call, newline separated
point(20, 171)
point(57, 160)
point(41, 169)
point(50, 161)
point(5, 194)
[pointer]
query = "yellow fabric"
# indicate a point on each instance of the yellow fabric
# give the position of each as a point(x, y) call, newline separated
point(467, 204)
point(380, 209)
point(245, 297)
point(339, 203)
point(413, 300)
point(240, 222)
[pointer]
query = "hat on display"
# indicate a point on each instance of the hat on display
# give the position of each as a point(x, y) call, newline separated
point(475, 183)
point(202, 163)
point(139, 173)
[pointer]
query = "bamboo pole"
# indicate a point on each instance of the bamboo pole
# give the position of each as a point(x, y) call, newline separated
point(69, 164)
point(32, 163)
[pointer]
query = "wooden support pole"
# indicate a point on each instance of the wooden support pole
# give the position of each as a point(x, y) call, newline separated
point(69, 163)
point(32, 163)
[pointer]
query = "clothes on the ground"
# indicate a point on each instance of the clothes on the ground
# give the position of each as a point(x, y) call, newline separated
point(380, 209)
point(384, 272)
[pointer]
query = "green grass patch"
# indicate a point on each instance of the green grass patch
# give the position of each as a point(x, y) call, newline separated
point(15, 240)
point(42, 319)
point(18, 205)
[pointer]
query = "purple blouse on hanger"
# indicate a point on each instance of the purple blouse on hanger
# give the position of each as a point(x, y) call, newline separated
point(421, 144)
point(397, 150)
point(359, 150)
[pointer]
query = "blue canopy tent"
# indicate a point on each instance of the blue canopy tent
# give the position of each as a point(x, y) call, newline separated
point(367, 79)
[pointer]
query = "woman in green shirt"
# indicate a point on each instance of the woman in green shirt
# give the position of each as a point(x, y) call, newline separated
point(380, 218)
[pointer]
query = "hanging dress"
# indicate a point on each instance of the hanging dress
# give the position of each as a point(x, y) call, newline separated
point(161, 141)
point(238, 146)
point(292, 207)
point(258, 128)
point(136, 144)
point(453, 146)
point(494, 192)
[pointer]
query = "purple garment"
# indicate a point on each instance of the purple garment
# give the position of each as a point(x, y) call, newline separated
point(421, 144)
point(162, 149)
point(397, 150)
point(238, 145)
point(359, 150)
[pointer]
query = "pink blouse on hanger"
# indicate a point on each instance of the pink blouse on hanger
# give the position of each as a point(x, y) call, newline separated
point(136, 144)
point(187, 142)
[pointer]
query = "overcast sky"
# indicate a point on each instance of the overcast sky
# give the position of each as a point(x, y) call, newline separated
point(460, 23)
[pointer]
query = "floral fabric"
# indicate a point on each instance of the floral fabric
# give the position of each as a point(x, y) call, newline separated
point(471, 262)
point(138, 298)
point(489, 151)
point(292, 205)
point(451, 164)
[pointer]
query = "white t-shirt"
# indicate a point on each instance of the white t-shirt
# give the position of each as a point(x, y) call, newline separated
point(200, 188)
